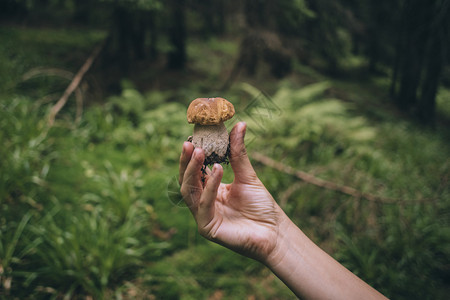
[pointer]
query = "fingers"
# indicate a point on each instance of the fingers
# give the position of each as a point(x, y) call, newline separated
point(200, 200)
point(191, 184)
point(185, 157)
point(242, 168)
point(206, 204)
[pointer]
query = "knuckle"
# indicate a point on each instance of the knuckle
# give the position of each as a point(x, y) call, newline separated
point(252, 176)
point(202, 203)
point(238, 154)
point(203, 232)
point(210, 231)
point(206, 233)
point(183, 190)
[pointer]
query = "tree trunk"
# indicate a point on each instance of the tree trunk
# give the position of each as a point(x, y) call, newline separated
point(82, 11)
point(124, 30)
point(437, 49)
point(397, 59)
point(427, 102)
point(213, 14)
point(177, 35)
point(220, 28)
point(118, 47)
point(422, 56)
point(138, 34)
point(153, 31)
point(412, 52)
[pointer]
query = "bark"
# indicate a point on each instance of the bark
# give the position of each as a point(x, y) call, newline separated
point(177, 36)
point(417, 16)
point(421, 57)
point(153, 35)
point(214, 17)
point(436, 54)
point(427, 103)
point(82, 11)
point(138, 35)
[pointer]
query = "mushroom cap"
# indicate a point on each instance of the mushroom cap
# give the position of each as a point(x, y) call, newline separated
point(209, 111)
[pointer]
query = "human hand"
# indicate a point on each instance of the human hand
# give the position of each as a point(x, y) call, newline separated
point(242, 215)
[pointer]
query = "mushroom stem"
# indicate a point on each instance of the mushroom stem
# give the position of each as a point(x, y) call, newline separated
point(212, 138)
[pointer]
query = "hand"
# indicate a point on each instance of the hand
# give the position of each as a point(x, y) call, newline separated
point(242, 215)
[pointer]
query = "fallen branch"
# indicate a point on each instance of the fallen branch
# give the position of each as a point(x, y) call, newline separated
point(44, 72)
point(306, 177)
point(73, 85)
point(284, 197)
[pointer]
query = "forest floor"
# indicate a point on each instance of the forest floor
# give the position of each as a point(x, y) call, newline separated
point(91, 207)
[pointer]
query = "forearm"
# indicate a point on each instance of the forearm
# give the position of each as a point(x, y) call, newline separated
point(310, 272)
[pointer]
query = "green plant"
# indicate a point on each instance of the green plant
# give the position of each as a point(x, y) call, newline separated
point(400, 246)
point(406, 255)
point(87, 251)
point(86, 209)
point(12, 250)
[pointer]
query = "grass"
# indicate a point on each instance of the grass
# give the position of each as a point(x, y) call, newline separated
point(92, 209)
point(49, 48)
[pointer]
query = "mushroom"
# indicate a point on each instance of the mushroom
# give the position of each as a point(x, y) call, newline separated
point(210, 134)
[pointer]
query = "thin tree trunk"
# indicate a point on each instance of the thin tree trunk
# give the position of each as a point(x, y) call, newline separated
point(153, 31)
point(427, 102)
point(437, 48)
point(398, 53)
point(177, 35)
point(416, 36)
point(139, 34)
point(220, 28)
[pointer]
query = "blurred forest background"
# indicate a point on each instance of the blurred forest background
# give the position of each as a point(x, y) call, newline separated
point(93, 99)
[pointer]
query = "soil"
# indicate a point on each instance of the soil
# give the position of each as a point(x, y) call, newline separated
point(213, 158)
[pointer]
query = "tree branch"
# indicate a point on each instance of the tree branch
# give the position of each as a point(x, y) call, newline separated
point(73, 85)
point(306, 177)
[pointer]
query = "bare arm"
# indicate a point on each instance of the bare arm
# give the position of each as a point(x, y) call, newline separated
point(310, 272)
point(244, 217)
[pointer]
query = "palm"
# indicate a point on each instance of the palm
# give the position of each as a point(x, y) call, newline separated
point(242, 215)
point(244, 219)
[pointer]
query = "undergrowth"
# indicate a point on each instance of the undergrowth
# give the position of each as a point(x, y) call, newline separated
point(92, 209)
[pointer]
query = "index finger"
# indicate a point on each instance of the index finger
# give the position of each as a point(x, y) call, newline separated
point(185, 157)
point(191, 186)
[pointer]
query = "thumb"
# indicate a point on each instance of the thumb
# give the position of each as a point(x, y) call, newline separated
point(242, 168)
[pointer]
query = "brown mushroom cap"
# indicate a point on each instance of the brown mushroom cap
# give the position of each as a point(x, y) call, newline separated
point(209, 111)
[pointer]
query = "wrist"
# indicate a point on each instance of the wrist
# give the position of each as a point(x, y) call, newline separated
point(287, 237)
point(309, 272)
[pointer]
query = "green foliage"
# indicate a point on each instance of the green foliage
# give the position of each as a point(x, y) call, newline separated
point(91, 220)
point(92, 210)
point(411, 257)
point(26, 154)
point(138, 4)
point(49, 54)
point(87, 251)
point(401, 248)
point(13, 251)
point(200, 272)
point(292, 15)
point(443, 102)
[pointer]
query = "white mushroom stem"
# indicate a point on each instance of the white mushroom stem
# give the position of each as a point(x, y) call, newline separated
point(211, 138)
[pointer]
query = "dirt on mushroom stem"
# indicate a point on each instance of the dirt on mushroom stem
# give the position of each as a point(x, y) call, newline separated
point(212, 159)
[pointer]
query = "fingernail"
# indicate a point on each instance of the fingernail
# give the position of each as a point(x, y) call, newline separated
point(214, 169)
point(243, 126)
point(196, 152)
